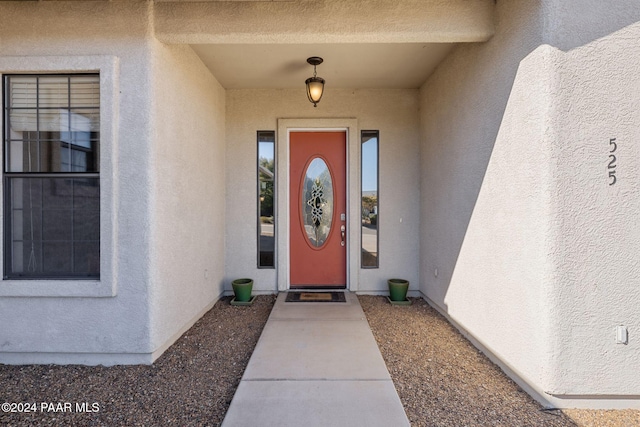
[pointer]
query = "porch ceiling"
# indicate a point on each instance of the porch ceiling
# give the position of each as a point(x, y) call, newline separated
point(365, 43)
point(355, 66)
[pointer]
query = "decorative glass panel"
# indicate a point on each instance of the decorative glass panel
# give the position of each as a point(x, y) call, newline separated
point(317, 202)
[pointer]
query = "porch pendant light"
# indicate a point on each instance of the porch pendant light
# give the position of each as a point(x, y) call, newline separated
point(315, 85)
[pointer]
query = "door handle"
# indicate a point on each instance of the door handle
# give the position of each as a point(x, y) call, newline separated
point(342, 234)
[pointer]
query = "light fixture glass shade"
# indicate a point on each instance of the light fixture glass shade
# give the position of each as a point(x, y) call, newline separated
point(315, 87)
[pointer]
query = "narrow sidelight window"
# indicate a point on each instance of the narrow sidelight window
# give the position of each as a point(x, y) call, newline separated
point(51, 140)
point(266, 199)
point(369, 207)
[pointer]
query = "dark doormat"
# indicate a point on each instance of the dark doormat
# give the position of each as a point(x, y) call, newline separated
point(315, 297)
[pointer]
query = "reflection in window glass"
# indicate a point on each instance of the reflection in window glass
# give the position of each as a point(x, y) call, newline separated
point(369, 207)
point(266, 211)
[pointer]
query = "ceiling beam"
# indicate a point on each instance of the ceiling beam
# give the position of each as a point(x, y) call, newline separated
point(323, 21)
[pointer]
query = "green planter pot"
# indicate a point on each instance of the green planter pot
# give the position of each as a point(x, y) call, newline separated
point(398, 289)
point(242, 289)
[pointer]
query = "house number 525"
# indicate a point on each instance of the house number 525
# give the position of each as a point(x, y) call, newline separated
point(612, 161)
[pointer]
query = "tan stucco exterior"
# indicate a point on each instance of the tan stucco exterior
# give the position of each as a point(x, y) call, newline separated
point(397, 120)
point(495, 195)
point(535, 251)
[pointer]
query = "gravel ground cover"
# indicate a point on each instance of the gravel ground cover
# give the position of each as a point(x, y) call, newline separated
point(443, 380)
point(191, 384)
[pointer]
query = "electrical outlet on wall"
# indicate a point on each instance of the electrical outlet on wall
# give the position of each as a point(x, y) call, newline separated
point(622, 335)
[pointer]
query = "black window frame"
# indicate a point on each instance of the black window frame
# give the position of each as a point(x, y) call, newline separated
point(270, 134)
point(67, 176)
point(363, 135)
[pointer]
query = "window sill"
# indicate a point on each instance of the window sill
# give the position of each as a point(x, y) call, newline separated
point(56, 288)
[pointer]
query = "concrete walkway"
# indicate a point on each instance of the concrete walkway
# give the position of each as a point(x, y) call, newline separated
point(316, 364)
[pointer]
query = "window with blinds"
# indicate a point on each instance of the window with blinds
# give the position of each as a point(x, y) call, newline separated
point(51, 170)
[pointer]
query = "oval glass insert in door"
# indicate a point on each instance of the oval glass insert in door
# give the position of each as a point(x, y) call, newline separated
point(317, 202)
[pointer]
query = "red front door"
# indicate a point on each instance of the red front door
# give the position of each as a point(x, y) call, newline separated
point(318, 209)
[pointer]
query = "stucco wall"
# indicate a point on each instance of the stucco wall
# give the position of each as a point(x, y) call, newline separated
point(188, 215)
point(536, 255)
point(333, 21)
point(393, 112)
point(90, 329)
point(597, 241)
point(485, 189)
